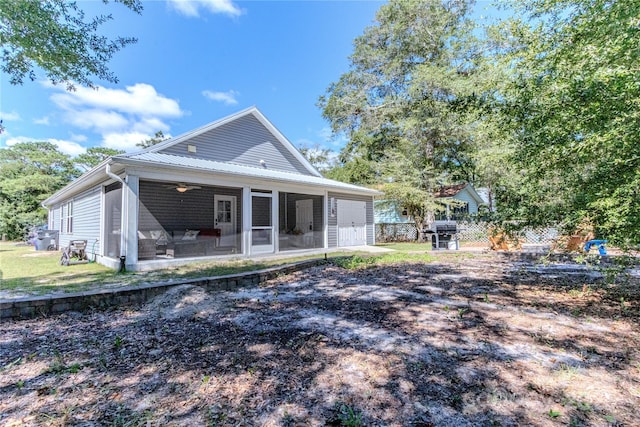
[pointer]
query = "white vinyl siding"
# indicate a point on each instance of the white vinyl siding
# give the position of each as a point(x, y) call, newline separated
point(82, 216)
point(465, 196)
point(244, 141)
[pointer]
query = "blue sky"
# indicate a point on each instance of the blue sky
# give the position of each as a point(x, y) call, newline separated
point(194, 63)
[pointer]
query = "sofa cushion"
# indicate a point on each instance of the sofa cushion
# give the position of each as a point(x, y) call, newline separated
point(160, 236)
point(190, 235)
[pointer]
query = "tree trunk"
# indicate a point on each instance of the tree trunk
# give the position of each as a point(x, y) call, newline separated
point(421, 226)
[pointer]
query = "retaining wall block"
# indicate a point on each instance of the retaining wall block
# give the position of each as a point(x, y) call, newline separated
point(27, 311)
point(104, 298)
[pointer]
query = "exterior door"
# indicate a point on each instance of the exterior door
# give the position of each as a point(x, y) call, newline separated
point(352, 223)
point(304, 215)
point(224, 213)
point(262, 223)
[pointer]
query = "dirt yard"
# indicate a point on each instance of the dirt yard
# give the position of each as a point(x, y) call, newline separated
point(474, 340)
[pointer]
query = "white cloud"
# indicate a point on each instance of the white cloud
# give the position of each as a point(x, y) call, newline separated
point(9, 117)
point(123, 117)
point(124, 141)
point(229, 97)
point(67, 147)
point(78, 138)
point(42, 121)
point(99, 120)
point(192, 8)
point(139, 99)
point(150, 126)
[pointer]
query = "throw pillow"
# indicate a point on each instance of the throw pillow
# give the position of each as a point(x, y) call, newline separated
point(190, 235)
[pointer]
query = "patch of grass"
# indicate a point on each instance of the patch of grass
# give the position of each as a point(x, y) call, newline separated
point(119, 415)
point(363, 261)
point(118, 342)
point(25, 270)
point(348, 416)
point(58, 366)
point(567, 371)
point(553, 413)
point(406, 246)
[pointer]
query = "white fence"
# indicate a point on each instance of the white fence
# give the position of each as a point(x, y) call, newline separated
point(467, 232)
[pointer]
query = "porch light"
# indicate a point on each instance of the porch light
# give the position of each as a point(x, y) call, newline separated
point(181, 189)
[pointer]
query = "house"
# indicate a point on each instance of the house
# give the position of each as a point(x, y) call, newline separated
point(459, 201)
point(233, 188)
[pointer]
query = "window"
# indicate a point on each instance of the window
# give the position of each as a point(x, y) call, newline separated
point(460, 212)
point(66, 218)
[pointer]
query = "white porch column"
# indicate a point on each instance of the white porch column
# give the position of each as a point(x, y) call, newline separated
point(246, 221)
point(129, 227)
point(325, 220)
point(275, 220)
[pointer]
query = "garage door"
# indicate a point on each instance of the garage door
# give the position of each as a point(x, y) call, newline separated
point(352, 223)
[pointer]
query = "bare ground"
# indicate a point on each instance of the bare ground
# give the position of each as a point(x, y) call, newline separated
point(464, 341)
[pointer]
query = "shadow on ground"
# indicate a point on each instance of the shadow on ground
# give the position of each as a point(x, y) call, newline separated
point(464, 342)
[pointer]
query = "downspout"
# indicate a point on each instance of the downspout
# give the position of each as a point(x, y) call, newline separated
point(113, 175)
point(124, 219)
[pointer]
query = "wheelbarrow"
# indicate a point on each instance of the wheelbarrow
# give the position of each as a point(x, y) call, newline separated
point(76, 250)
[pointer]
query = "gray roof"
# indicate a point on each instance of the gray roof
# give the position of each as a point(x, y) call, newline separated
point(180, 162)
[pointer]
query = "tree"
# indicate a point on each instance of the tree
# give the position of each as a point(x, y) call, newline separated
point(572, 116)
point(55, 36)
point(94, 156)
point(404, 103)
point(156, 139)
point(29, 173)
point(321, 158)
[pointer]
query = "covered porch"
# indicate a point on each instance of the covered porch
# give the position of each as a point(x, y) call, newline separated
point(187, 220)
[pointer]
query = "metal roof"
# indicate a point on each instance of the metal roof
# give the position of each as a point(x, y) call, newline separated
point(180, 162)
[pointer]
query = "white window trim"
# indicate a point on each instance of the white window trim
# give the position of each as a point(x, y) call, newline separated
point(66, 218)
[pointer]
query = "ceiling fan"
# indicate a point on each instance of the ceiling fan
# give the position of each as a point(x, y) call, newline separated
point(181, 187)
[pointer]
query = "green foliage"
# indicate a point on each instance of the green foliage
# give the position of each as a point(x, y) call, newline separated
point(29, 173)
point(570, 111)
point(553, 413)
point(406, 104)
point(94, 156)
point(321, 158)
point(156, 139)
point(55, 36)
point(348, 416)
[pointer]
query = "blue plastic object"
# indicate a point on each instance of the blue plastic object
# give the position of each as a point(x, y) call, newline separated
point(599, 243)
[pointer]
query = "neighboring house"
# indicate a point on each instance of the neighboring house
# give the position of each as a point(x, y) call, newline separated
point(459, 202)
point(235, 187)
point(466, 201)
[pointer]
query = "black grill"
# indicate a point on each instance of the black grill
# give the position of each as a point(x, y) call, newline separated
point(447, 229)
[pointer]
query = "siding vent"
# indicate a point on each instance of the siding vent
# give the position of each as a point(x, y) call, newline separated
point(191, 148)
